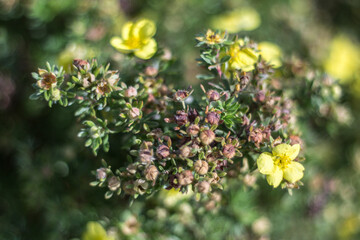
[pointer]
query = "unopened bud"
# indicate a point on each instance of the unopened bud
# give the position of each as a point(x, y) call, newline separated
point(56, 94)
point(207, 137)
point(201, 167)
point(193, 130)
point(114, 183)
point(151, 173)
point(213, 118)
point(229, 151)
point(185, 151)
point(81, 64)
point(101, 174)
point(181, 118)
point(130, 92)
point(145, 156)
point(203, 187)
point(260, 96)
point(192, 115)
point(151, 71)
point(134, 113)
point(180, 95)
point(163, 151)
point(213, 95)
point(185, 178)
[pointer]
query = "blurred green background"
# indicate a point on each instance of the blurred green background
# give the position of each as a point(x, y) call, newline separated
point(45, 170)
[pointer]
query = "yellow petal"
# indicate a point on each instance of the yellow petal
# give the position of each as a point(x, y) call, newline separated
point(120, 45)
point(144, 29)
point(126, 30)
point(287, 150)
point(148, 50)
point(294, 172)
point(244, 59)
point(94, 231)
point(274, 179)
point(271, 53)
point(265, 163)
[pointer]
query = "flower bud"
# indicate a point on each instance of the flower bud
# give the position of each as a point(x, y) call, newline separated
point(244, 80)
point(192, 115)
point(213, 118)
point(140, 186)
point(180, 95)
point(151, 173)
point(130, 92)
point(185, 151)
point(181, 117)
point(201, 167)
point(145, 156)
point(207, 137)
point(193, 130)
point(81, 64)
point(134, 113)
point(162, 151)
point(132, 168)
point(185, 178)
point(128, 187)
point(213, 95)
point(260, 96)
point(101, 174)
point(203, 187)
point(151, 71)
point(113, 183)
point(56, 94)
point(229, 151)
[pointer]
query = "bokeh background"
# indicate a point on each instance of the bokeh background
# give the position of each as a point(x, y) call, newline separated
point(45, 170)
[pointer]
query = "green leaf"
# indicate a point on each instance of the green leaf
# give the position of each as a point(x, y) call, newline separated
point(205, 77)
point(88, 142)
point(225, 59)
point(108, 194)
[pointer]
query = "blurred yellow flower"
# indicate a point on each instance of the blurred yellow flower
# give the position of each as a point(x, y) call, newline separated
point(94, 231)
point(244, 19)
point(241, 57)
point(280, 164)
point(173, 196)
point(343, 61)
point(137, 38)
point(271, 53)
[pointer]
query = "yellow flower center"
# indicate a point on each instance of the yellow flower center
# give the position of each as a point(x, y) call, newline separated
point(282, 161)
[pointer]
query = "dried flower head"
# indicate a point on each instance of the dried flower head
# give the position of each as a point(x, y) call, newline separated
point(151, 173)
point(113, 183)
point(203, 187)
point(131, 92)
point(162, 151)
point(201, 167)
point(207, 137)
point(185, 178)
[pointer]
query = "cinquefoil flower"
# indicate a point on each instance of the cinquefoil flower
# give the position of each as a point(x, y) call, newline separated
point(242, 57)
point(137, 38)
point(280, 164)
point(94, 231)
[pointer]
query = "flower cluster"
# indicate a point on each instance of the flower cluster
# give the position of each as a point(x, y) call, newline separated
point(176, 139)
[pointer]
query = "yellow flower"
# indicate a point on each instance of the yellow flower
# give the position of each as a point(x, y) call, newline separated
point(137, 38)
point(211, 38)
point(241, 57)
point(280, 164)
point(271, 53)
point(246, 19)
point(343, 61)
point(94, 231)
